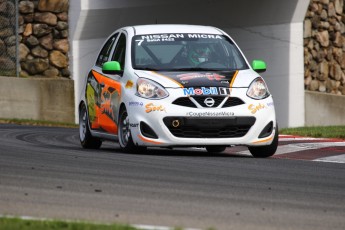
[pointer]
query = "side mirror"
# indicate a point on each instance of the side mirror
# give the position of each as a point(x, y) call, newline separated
point(112, 67)
point(259, 66)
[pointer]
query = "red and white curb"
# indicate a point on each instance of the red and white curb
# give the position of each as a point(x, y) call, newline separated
point(307, 148)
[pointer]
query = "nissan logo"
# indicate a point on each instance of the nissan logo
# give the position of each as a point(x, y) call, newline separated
point(209, 101)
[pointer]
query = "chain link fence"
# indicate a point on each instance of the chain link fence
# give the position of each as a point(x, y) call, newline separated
point(8, 38)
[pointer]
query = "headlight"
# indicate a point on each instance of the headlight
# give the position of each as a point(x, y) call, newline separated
point(150, 89)
point(258, 89)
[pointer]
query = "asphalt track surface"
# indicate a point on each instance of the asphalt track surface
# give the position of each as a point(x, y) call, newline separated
point(44, 173)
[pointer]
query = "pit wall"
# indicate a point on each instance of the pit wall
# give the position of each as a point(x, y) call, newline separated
point(37, 99)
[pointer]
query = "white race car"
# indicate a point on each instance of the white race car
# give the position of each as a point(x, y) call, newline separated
point(176, 86)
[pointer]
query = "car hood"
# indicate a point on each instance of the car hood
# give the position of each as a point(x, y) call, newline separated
point(186, 79)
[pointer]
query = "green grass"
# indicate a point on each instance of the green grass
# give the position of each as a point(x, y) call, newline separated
point(37, 123)
point(20, 224)
point(325, 132)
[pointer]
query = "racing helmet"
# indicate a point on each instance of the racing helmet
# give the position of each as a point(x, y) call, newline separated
point(198, 53)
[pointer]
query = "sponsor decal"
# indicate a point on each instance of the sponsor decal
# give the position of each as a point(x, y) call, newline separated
point(210, 114)
point(270, 104)
point(133, 125)
point(206, 91)
point(129, 84)
point(209, 76)
point(150, 107)
point(135, 103)
point(254, 108)
point(173, 37)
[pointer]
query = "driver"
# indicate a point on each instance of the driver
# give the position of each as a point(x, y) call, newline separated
point(198, 53)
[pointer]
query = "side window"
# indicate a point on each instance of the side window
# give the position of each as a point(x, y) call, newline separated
point(120, 51)
point(105, 52)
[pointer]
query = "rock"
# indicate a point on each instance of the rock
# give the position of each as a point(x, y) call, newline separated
point(20, 20)
point(28, 30)
point(331, 10)
point(12, 51)
point(4, 22)
point(24, 74)
point(62, 25)
point(322, 86)
point(35, 66)
point(325, 2)
point(31, 41)
point(47, 42)
point(323, 38)
point(307, 28)
point(58, 59)
point(38, 51)
point(65, 72)
point(323, 70)
point(6, 32)
point(315, 21)
point(51, 72)
point(55, 6)
point(28, 18)
point(41, 29)
point(61, 45)
point(26, 7)
point(47, 18)
point(324, 15)
point(23, 51)
point(338, 41)
point(335, 71)
point(11, 9)
point(339, 4)
point(64, 33)
point(313, 65)
point(7, 64)
point(324, 25)
point(3, 8)
point(63, 16)
point(10, 41)
point(2, 47)
point(314, 85)
point(338, 54)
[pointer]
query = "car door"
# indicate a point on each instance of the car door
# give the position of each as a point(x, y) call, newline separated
point(111, 90)
point(99, 90)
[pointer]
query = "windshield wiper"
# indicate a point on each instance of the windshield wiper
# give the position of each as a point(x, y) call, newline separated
point(147, 68)
point(196, 69)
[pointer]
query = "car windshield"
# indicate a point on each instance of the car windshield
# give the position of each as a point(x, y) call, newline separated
point(183, 52)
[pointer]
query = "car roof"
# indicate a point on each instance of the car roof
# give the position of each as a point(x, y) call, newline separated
point(171, 28)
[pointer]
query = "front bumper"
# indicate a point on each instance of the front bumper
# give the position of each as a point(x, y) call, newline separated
point(182, 125)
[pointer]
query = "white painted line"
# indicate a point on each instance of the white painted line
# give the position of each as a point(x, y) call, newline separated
point(333, 159)
point(290, 148)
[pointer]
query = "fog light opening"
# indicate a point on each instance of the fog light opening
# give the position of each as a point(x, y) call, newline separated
point(175, 123)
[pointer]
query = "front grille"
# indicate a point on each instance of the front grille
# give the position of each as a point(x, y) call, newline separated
point(217, 100)
point(184, 101)
point(232, 101)
point(229, 127)
point(187, 102)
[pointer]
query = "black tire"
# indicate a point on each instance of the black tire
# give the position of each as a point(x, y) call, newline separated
point(87, 141)
point(215, 149)
point(266, 151)
point(125, 136)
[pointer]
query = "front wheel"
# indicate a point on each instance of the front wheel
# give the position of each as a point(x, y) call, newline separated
point(125, 137)
point(265, 151)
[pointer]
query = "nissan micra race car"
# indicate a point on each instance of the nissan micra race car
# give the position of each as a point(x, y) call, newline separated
point(176, 86)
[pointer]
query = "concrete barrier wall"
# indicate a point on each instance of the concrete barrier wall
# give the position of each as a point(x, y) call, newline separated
point(324, 109)
point(37, 99)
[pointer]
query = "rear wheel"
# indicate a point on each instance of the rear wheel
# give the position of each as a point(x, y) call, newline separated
point(125, 136)
point(265, 151)
point(215, 149)
point(87, 141)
